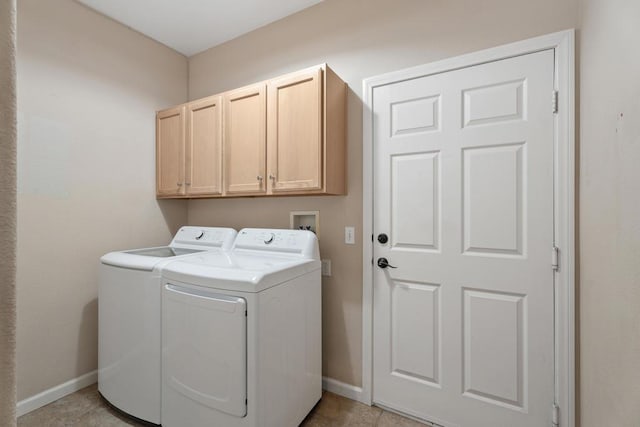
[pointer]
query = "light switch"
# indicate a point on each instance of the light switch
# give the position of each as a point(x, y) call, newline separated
point(350, 235)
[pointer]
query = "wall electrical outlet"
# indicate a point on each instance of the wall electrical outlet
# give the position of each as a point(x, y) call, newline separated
point(326, 267)
point(350, 235)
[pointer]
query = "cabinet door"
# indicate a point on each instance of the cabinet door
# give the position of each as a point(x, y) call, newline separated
point(204, 147)
point(170, 152)
point(295, 132)
point(245, 140)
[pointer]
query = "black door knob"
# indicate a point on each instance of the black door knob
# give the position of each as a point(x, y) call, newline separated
point(383, 238)
point(383, 263)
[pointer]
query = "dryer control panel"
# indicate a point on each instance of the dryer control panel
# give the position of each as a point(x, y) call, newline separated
point(301, 242)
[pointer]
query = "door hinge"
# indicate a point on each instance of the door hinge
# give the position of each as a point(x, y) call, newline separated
point(555, 415)
point(555, 257)
point(554, 102)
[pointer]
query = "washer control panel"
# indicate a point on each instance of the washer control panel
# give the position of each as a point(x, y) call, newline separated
point(205, 236)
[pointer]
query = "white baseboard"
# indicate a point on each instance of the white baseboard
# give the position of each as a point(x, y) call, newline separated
point(343, 389)
point(54, 393)
point(51, 395)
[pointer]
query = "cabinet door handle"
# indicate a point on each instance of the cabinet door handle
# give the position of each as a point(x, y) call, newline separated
point(179, 184)
point(272, 177)
point(259, 177)
point(187, 183)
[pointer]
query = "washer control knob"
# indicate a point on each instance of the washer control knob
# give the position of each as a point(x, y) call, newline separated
point(270, 239)
point(200, 236)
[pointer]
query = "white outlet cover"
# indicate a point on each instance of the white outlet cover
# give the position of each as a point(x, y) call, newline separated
point(326, 267)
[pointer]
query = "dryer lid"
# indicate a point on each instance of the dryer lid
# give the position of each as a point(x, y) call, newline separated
point(238, 271)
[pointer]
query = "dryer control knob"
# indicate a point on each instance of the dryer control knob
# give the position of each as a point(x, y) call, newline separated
point(270, 239)
point(200, 236)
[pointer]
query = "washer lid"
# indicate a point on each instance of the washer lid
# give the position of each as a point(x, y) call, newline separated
point(237, 271)
point(145, 259)
point(188, 240)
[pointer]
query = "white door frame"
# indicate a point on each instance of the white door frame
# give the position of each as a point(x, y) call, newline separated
point(564, 203)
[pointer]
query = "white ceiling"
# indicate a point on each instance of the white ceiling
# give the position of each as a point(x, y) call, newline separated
point(191, 26)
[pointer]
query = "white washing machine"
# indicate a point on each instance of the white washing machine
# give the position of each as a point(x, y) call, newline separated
point(129, 300)
point(241, 333)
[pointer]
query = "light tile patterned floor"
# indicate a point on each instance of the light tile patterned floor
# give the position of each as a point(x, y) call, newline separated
point(86, 408)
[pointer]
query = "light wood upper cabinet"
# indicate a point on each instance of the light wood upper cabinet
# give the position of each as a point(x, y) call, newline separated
point(189, 149)
point(204, 147)
point(170, 139)
point(306, 122)
point(284, 136)
point(245, 140)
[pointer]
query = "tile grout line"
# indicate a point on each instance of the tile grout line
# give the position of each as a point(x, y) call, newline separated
point(378, 418)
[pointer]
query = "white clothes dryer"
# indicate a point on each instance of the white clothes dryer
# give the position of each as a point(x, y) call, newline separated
point(129, 299)
point(241, 333)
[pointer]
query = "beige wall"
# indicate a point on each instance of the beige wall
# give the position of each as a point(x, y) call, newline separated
point(358, 39)
point(610, 213)
point(87, 92)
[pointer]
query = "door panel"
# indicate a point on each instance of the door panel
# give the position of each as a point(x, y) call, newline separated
point(493, 347)
point(463, 186)
point(415, 319)
point(494, 174)
point(415, 116)
point(420, 173)
point(204, 146)
point(245, 140)
point(494, 103)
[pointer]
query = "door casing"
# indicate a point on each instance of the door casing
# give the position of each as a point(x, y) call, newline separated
point(564, 202)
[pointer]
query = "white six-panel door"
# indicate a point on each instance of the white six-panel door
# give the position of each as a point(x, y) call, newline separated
point(463, 188)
